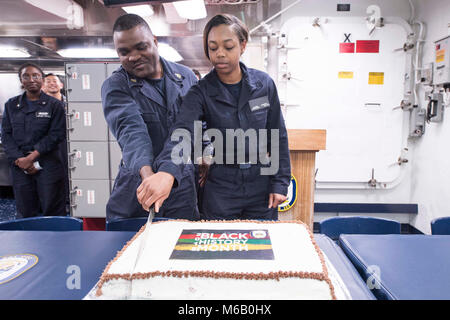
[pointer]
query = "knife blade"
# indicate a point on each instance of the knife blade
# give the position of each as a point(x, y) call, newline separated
point(142, 242)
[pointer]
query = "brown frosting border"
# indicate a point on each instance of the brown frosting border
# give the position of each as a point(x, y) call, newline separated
point(323, 276)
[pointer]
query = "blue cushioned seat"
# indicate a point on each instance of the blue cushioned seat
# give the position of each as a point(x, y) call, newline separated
point(333, 227)
point(401, 266)
point(129, 224)
point(45, 223)
point(440, 226)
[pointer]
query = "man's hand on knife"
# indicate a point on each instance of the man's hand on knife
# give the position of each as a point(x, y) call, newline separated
point(154, 189)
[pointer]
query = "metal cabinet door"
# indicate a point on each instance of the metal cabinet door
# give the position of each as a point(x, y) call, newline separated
point(111, 136)
point(5, 175)
point(111, 67)
point(84, 81)
point(115, 155)
point(111, 184)
point(86, 122)
point(89, 198)
point(88, 160)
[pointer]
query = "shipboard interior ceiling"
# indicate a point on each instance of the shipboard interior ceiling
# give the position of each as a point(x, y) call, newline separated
point(41, 33)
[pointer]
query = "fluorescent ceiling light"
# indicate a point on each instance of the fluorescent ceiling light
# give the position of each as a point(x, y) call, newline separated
point(158, 26)
point(172, 15)
point(168, 53)
point(88, 53)
point(144, 10)
point(191, 9)
point(13, 52)
point(66, 9)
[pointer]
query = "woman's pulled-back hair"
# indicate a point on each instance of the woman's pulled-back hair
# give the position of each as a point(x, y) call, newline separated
point(239, 28)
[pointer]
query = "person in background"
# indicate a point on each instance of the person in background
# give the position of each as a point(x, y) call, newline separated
point(140, 102)
point(33, 127)
point(231, 96)
point(53, 86)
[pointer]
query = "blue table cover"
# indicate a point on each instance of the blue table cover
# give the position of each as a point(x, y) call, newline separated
point(355, 285)
point(404, 267)
point(58, 252)
point(90, 251)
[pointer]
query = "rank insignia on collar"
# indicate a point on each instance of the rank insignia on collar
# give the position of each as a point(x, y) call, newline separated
point(133, 80)
point(178, 75)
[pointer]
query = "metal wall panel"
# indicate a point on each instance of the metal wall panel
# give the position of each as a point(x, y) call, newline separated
point(94, 155)
point(111, 184)
point(111, 136)
point(84, 81)
point(89, 198)
point(115, 155)
point(89, 160)
point(86, 122)
point(111, 67)
point(5, 174)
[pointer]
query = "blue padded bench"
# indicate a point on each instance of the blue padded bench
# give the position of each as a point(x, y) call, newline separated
point(44, 223)
point(440, 226)
point(403, 267)
point(334, 226)
point(129, 224)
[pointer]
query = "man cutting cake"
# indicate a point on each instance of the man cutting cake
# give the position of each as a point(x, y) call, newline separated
point(140, 102)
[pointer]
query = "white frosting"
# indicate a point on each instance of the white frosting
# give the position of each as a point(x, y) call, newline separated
point(292, 248)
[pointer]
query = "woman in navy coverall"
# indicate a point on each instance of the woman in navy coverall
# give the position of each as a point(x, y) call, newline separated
point(231, 96)
point(33, 126)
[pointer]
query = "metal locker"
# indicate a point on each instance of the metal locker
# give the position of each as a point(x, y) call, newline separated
point(88, 160)
point(111, 136)
point(84, 81)
point(111, 183)
point(86, 122)
point(89, 198)
point(115, 155)
point(111, 67)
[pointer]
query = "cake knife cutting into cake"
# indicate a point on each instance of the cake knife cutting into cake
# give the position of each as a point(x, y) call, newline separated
point(151, 216)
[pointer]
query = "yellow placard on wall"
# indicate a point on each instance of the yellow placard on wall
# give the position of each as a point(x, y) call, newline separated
point(345, 75)
point(440, 55)
point(376, 77)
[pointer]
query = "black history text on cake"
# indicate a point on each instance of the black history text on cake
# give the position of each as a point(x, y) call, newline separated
point(223, 244)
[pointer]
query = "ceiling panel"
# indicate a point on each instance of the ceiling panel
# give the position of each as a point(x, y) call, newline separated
point(29, 27)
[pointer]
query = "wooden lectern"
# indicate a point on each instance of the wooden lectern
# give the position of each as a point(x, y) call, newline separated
point(303, 145)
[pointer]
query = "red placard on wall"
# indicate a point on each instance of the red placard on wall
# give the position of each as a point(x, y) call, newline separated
point(367, 46)
point(346, 47)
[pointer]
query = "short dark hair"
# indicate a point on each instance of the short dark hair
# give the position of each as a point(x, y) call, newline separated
point(54, 75)
point(29, 64)
point(239, 28)
point(129, 21)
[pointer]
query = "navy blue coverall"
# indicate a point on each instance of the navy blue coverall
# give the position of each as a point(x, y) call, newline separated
point(139, 115)
point(36, 125)
point(236, 190)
